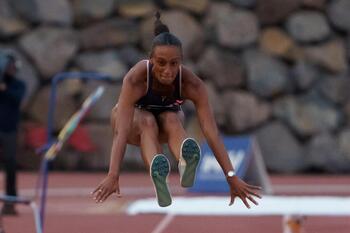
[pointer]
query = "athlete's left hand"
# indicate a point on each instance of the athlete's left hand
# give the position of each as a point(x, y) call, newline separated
point(109, 185)
point(238, 188)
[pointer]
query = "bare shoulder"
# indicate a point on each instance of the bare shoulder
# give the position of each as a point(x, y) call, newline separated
point(137, 75)
point(192, 85)
point(134, 83)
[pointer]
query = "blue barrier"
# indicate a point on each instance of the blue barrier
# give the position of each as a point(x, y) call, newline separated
point(210, 177)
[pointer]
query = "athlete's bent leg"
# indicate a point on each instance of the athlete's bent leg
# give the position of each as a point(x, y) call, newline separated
point(144, 133)
point(171, 126)
point(149, 132)
point(151, 152)
point(185, 149)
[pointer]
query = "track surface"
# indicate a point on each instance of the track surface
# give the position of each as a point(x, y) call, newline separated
point(70, 208)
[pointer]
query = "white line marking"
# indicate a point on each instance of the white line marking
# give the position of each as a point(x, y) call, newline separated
point(164, 223)
point(268, 205)
point(312, 188)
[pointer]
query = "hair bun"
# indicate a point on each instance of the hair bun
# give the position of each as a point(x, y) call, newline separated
point(157, 15)
point(159, 27)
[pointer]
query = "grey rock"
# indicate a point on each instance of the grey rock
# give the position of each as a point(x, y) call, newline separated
point(131, 55)
point(107, 62)
point(135, 8)
point(266, 75)
point(216, 102)
point(335, 88)
point(323, 153)
point(101, 111)
point(308, 26)
point(191, 36)
point(221, 67)
point(10, 23)
point(281, 151)
point(307, 115)
point(275, 41)
point(86, 11)
point(338, 12)
point(244, 3)
point(343, 142)
point(26, 9)
point(346, 111)
point(216, 11)
point(329, 55)
point(244, 110)
point(195, 6)
point(50, 48)
point(237, 29)
point(317, 4)
point(45, 11)
point(348, 46)
point(273, 12)
point(64, 105)
point(305, 74)
point(110, 33)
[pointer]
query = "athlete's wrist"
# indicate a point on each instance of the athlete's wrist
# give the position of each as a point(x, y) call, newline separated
point(113, 175)
point(230, 174)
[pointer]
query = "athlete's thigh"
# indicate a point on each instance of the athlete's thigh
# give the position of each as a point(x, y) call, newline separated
point(169, 119)
point(140, 116)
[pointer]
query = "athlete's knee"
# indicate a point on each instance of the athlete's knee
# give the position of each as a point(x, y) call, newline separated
point(170, 121)
point(148, 122)
point(113, 116)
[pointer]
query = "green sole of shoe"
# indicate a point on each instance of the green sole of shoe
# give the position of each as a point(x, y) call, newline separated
point(160, 169)
point(190, 153)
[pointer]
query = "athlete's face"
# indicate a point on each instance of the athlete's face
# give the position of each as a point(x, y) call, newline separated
point(166, 60)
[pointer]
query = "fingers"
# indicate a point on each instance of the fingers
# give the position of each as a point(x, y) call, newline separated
point(245, 196)
point(244, 191)
point(96, 189)
point(253, 200)
point(104, 195)
point(232, 200)
point(253, 193)
point(253, 187)
point(119, 195)
point(98, 193)
point(101, 195)
point(245, 202)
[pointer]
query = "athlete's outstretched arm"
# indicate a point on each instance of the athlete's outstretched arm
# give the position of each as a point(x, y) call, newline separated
point(132, 90)
point(195, 90)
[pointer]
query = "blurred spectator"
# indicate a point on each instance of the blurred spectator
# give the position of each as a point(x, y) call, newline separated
point(12, 91)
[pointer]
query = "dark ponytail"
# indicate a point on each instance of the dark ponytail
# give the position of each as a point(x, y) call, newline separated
point(163, 35)
point(159, 27)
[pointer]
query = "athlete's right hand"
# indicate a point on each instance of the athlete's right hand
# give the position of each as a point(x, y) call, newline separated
point(109, 185)
point(238, 188)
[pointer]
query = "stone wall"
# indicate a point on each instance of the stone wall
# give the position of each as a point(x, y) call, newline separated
point(275, 70)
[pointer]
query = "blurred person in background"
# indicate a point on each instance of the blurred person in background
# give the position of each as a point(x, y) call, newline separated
point(12, 91)
point(149, 113)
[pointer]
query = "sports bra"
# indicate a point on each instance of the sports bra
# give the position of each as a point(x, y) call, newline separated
point(154, 102)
